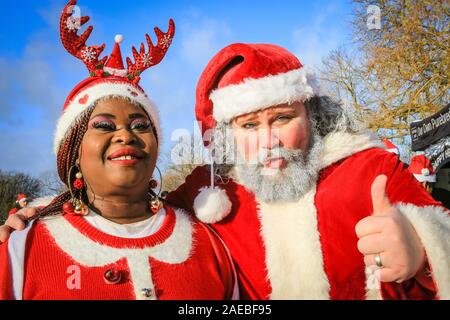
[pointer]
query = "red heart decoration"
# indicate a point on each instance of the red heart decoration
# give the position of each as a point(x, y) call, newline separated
point(84, 99)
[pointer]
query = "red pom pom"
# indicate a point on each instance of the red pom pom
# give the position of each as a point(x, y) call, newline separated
point(78, 184)
point(153, 183)
point(68, 208)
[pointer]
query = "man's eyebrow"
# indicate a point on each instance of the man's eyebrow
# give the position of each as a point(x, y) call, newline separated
point(283, 109)
point(247, 117)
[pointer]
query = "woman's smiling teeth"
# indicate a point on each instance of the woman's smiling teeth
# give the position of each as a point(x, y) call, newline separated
point(124, 158)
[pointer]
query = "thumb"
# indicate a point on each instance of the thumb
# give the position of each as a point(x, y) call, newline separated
point(380, 200)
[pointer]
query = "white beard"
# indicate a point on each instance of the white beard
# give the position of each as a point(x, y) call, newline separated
point(282, 185)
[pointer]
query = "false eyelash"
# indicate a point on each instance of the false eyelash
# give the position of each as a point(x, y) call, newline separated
point(141, 125)
point(103, 125)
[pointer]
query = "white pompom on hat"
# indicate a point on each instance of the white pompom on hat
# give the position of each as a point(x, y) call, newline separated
point(212, 204)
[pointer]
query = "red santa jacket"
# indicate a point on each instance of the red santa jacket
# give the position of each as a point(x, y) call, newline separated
point(308, 249)
point(183, 259)
point(13, 211)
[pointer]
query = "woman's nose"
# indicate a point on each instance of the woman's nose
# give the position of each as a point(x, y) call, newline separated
point(124, 136)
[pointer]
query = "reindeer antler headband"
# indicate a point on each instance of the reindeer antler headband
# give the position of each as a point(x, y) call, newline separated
point(108, 76)
point(90, 55)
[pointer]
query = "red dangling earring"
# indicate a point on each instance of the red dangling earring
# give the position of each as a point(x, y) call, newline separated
point(79, 182)
point(155, 203)
point(153, 183)
point(76, 206)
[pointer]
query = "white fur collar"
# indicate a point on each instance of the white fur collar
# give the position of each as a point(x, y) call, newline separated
point(340, 145)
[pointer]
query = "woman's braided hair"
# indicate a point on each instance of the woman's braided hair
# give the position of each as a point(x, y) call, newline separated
point(66, 159)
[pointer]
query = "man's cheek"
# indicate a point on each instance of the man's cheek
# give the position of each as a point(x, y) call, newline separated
point(294, 137)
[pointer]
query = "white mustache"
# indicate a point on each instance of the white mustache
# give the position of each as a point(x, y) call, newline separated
point(266, 155)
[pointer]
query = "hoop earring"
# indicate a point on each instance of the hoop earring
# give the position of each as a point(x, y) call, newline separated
point(74, 205)
point(155, 203)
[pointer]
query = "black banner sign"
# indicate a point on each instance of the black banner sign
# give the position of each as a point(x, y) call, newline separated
point(430, 130)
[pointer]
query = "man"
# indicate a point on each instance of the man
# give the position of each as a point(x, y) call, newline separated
point(390, 147)
point(421, 168)
point(309, 200)
point(21, 202)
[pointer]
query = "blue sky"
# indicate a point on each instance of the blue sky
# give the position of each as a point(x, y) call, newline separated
point(37, 74)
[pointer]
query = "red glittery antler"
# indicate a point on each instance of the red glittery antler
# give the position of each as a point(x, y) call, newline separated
point(145, 60)
point(75, 44)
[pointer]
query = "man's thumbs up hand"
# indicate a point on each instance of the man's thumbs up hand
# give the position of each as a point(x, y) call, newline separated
point(380, 201)
point(390, 235)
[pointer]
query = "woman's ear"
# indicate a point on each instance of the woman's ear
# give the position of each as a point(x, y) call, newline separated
point(80, 149)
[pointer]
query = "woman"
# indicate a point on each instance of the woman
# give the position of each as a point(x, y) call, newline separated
point(109, 236)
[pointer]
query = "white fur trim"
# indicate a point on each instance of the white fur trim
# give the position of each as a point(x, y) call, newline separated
point(116, 72)
point(75, 109)
point(373, 284)
point(16, 252)
point(176, 249)
point(393, 151)
point(212, 204)
point(432, 225)
point(294, 257)
point(340, 145)
point(257, 94)
point(423, 178)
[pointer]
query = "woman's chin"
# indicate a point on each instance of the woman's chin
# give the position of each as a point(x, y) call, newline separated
point(129, 182)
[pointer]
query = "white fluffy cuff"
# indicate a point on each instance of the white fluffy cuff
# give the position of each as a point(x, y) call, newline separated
point(432, 224)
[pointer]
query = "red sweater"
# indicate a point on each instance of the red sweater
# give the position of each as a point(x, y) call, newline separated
point(67, 258)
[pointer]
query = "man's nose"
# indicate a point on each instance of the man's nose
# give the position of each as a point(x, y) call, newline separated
point(268, 138)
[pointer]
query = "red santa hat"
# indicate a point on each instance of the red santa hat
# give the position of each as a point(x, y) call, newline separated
point(390, 147)
point(244, 78)
point(110, 79)
point(240, 79)
point(21, 197)
point(420, 167)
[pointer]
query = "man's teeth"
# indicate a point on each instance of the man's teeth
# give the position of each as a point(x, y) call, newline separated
point(124, 158)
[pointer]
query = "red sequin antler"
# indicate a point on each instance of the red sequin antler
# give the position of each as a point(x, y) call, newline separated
point(75, 44)
point(145, 60)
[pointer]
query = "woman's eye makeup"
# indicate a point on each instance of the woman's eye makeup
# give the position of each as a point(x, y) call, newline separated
point(102, 123)
point(106, 124)
point(141, 124)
